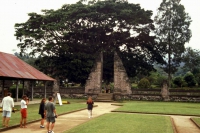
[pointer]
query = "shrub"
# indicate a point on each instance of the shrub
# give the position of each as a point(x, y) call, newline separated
point(190, 79)
point(178, 81)
point(144, 84)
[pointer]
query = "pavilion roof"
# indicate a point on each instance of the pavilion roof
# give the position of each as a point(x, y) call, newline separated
point(11, 67)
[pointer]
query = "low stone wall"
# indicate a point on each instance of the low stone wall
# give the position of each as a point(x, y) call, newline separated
point(177, 95)
point(72, 92)
point(185, 95)
point(155, 95)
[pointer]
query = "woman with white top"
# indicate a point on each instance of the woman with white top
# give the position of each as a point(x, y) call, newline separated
point(24, 103)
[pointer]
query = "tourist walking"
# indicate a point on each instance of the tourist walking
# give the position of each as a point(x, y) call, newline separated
point(41, 112)
point(90, 106)
point(8, 107)
point(23, 111)
point(50, 113)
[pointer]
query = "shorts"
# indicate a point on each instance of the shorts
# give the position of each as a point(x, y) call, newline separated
point(24, 112)
point(6, 113)
point(51, 119)
point(42, 116)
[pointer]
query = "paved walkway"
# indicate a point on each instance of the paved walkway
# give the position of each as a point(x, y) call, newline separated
point(183, 124)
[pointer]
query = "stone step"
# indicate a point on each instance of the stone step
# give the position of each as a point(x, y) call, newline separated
point(105, 97)
point(98, 100)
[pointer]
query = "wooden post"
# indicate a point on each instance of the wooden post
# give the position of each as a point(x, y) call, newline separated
point(17, 91)
point(23, 87)
point(45, 91)
point(32, 90)
point(3, 83)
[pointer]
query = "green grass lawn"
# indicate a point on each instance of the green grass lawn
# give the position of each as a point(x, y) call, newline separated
point(161, 107)
point(126, 123)
point(33, 109)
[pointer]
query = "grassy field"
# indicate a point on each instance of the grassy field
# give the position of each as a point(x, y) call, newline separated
point(33, 109)
point(136, 123)
point(162, 107)
point(125, 123)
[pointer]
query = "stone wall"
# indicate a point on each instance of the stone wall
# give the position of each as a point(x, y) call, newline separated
point(156, 95)
point(176, 95)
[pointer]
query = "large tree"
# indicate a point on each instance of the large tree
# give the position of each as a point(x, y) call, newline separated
point(69, 39)
point(172, 31)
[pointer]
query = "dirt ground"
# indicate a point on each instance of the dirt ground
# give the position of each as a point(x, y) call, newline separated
point(182, 124)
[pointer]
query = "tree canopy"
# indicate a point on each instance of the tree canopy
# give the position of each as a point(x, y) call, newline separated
point(69, 39)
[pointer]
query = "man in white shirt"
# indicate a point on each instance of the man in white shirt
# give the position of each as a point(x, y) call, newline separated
point(8, 107)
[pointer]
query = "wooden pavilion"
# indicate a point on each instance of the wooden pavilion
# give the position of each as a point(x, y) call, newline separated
point(14, 69)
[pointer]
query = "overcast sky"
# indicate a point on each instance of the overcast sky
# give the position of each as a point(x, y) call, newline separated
point(16, 11)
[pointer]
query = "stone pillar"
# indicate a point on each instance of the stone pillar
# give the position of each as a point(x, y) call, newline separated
point(121, 80)
point(94, 81)
point(165, 92)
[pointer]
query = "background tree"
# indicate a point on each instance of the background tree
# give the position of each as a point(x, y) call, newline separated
point(172, 31)
point(28, 59)
point(69, 39)
point(191, 60)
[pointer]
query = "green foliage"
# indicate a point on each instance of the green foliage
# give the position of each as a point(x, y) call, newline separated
point(197, 77)
point(20, 92)
point(190, 79)
point(134, 86)
point(144, 84)
point(191, 59)
point(12, 89)
point(27, 58)
point(153, 77)
point(160, 80)
point(178, 81)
